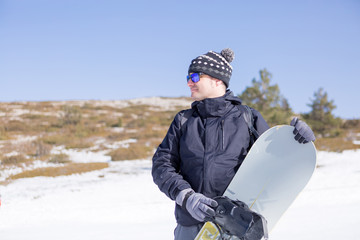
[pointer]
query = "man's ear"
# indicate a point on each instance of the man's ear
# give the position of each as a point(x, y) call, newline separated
point(219, 82)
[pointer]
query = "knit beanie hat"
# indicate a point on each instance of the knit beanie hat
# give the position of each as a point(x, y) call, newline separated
point(216, 65)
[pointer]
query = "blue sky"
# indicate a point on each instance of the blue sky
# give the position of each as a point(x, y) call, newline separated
point(109, 50)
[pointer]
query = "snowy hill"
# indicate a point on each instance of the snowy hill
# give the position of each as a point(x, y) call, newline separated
point(119, 199)
point(43, 136)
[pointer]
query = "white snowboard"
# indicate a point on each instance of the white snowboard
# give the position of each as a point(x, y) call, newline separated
point(275, 171)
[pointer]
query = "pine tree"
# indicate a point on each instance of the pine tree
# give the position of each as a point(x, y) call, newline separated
point(267, 100)
point(320, 117)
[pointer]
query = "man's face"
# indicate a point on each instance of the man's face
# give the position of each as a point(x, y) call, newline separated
point(205, 88)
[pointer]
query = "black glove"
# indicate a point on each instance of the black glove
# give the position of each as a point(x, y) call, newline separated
point(302, 132)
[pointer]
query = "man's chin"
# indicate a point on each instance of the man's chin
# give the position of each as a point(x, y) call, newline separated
point(196, 97)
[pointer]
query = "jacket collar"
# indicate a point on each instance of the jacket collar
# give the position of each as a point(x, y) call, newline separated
point(216, 107)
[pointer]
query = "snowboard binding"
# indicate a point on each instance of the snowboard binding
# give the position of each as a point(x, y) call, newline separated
point(234, 218)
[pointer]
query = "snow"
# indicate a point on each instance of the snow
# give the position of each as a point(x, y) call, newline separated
point(8, 171)
point(329, 207)
point(81, 156)
point(122, 202)
point(113, 203)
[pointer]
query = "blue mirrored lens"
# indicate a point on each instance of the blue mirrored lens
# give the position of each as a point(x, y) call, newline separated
point(195, 77)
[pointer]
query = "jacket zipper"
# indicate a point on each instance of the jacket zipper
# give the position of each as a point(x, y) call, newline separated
point(223, 134)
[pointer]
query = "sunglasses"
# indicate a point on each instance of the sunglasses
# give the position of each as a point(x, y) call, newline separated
point(195, 77)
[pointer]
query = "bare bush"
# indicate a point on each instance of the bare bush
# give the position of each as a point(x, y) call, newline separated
point(13, 160)
point(59, 158)
point(71, 115)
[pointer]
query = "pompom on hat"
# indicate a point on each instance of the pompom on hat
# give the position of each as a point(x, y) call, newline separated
point(216, 65)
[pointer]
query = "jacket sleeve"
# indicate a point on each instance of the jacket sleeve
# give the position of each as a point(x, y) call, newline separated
point(260, 124)
point(166, 162)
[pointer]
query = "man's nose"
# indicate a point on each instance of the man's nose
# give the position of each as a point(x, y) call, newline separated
point(190, 83)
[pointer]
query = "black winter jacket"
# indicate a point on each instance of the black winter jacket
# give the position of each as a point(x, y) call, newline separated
point(206, 153)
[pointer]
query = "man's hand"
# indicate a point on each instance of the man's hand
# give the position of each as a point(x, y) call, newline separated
point(199, 206)
point(302, 132)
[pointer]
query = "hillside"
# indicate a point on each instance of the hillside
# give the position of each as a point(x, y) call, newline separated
point(61, 138)
point(66, 137)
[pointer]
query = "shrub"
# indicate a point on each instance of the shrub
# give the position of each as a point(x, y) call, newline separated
point(59, 158)
point(351, 124)
point(56, 139)
point(13, 160)
point(2, 132)
point(41, 148)
point(119, 123)
point(78, 143)
point(68, 140)
point(15, 126)
point(134, 151)
point(71, 115)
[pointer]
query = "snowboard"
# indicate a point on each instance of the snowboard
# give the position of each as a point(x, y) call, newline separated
point(275, 171)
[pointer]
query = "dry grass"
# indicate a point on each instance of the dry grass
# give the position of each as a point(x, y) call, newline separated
point(68, 169)
point(3, 135)
point(14, 160)
point(134, 151)
point(31, 149)
point(41, 149)
point(59, 158)
point(74, 136)
point(334, 144)
point(16, 126)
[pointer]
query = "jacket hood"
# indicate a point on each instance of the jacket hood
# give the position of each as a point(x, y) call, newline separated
point(216, 107)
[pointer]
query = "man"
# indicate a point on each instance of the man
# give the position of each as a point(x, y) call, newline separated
point(196, 162)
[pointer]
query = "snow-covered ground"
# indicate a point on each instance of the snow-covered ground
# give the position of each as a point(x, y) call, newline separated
point(122, 202)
